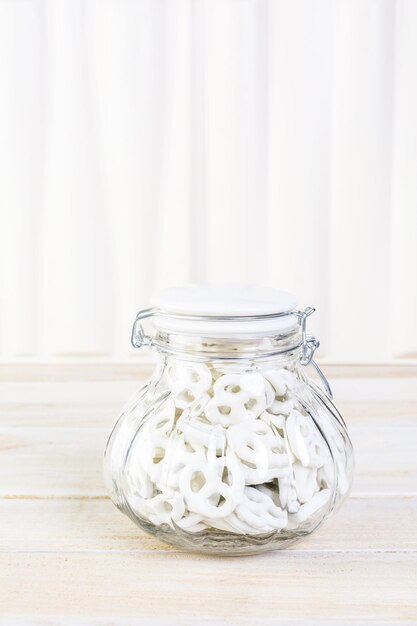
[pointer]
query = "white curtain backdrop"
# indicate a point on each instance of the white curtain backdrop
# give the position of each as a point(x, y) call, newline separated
point(148, 143)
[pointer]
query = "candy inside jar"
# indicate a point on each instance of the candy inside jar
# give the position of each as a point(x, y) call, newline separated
point(229, 448)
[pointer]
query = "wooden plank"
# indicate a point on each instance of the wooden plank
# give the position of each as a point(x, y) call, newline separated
point(52, 461)
point(76, 525)
point(398, 369)
point(141, 365)
point(75, 620)
point(102, 414)
point(98, 404)
point(195, 620)
point(397, 412)
point(285, 584)
point(374, 389)
point(117, 391)
point(111, 620)
point(68, 461)
point(386, 460)
point(83, 370)
point(69, 392)
point(60, 415)
point(117, 620)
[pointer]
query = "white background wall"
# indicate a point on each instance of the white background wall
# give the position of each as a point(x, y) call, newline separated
point(147, 143)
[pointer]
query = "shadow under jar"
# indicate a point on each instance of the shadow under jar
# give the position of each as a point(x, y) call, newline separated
point(229, 448)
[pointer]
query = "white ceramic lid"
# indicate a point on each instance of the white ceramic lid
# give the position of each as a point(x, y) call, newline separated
point(223, 301)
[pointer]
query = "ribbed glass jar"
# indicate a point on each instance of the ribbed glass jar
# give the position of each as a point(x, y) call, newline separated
point(229, 448)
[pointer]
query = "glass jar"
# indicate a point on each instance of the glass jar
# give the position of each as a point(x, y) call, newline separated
point(229, 448)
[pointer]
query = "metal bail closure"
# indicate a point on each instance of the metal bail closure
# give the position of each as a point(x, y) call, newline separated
point(139, 338)
point(309, 345)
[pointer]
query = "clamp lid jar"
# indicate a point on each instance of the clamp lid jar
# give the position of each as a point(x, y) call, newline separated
point(229, 448)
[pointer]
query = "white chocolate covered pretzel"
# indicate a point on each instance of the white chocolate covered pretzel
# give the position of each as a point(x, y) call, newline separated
point(192, 523)
point(165, 508)
point(305, 482)
point(213, 489)
point(281, 380)
point(260, 452)
point(288, 493)
point(200, 433)
point(160, 421)
point(236, 399)
point(188, 382)
point(204, 493)
point(305, 440)
point(178, 454)
point(259, 512)
point(307, 510)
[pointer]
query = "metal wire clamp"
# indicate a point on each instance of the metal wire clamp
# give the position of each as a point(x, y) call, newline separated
point(139, 338)
point(309, 345)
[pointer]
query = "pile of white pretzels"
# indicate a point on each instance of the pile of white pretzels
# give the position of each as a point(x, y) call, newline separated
point(230, 451)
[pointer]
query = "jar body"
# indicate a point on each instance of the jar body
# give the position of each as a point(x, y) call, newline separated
point(229, 456)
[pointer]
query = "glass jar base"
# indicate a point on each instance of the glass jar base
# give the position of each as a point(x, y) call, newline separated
point(222, 543)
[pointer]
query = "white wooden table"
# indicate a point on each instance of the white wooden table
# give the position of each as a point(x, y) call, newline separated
point(69, 557)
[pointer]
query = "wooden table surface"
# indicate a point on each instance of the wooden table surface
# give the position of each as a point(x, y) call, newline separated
point(69, 557)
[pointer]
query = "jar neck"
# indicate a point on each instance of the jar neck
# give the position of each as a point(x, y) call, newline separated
point(285, 346)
